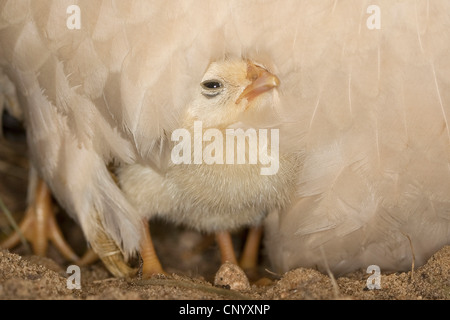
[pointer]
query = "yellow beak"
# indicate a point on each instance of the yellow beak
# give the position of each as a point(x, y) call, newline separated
point(262, 81)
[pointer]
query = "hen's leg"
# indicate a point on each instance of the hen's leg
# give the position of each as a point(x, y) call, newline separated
point(39, 226)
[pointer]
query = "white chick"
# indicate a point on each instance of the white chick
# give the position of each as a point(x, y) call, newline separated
point(218, 197)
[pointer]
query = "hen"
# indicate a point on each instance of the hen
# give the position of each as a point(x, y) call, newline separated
point(363, 104)
point(375, 104)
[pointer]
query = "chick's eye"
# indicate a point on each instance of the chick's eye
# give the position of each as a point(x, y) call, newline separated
point(211, 84)
point(211, 88)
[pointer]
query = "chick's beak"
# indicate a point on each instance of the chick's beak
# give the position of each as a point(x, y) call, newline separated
point(262, 81)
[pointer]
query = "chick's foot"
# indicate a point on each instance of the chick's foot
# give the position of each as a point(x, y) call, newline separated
point(249, 258)
point(150, 263)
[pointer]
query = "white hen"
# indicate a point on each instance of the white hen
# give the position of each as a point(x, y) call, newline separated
point(375, 104)
point(366, 103)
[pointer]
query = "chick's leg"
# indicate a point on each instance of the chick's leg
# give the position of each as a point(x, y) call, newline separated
point(39, 226)
point(249, 258)
point(225, 243)
point(151, 264)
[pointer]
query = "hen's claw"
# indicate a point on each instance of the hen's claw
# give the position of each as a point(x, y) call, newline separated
point(39, 226)
point(110, 254)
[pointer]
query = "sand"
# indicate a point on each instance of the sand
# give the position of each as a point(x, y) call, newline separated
point(34, 277)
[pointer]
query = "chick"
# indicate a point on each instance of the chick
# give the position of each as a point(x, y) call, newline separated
point(222, 196)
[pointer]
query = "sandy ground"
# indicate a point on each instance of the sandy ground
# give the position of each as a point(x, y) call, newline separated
point(190, 258)
point(42, 278)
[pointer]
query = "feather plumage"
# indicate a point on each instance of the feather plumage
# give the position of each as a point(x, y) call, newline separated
point(368, 109)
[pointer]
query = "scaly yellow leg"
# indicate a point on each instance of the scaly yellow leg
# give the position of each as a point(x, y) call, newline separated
point(39, 226)
point(249, 258)
point(225, 243)
point(151, 265)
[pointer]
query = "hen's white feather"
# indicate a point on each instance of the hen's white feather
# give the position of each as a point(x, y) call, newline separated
point(369, 109)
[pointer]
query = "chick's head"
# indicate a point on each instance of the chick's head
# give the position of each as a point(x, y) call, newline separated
point(230, 91)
